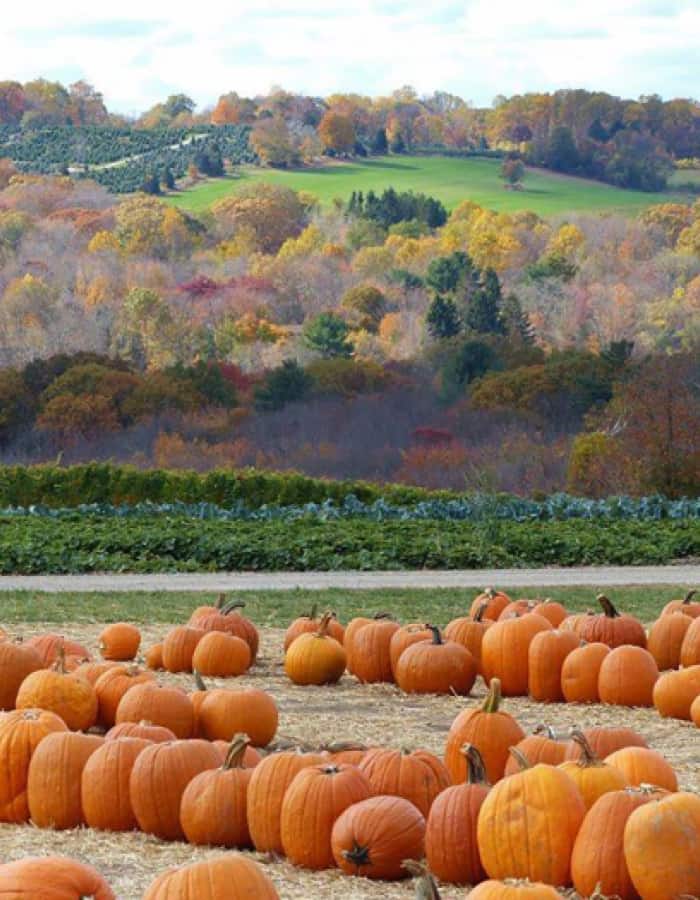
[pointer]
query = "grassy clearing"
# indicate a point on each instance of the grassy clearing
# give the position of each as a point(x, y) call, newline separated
point(450, 180)
point(278, 608)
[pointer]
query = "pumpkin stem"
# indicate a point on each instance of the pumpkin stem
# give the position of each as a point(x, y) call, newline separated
point(220, 600)
point(608, 608)
point(476, 770)
point(383, 615)
point(341, 746)
point(493, 698)
point(358, 856)
point(426, 886)
point(323, 625)
point(478, 617)
point(312, 612)
point(437, 637)
point(199, 681)
point(541, 728)
point(588, 757)
point(522, 760)
point(60, 665)
point(234, 755)
point(689, 596)
point(232, 607)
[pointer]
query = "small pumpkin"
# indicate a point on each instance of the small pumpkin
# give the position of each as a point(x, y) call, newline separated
point(612, 628)
point(675, 692)
point(315, 657)
point(516, 608)
point(403, 638)
point(232, 876)
point(546, 655)
point(226, 617)
point(666, 637)
point(147, 731)
point(222, 714)
point(111, 686)
point(221, 655)
point(69, 696)
point(436, 666)
point(368, 652)
point(627, 677)
point(168, 707)
point(487, 728)
point(372, 838)
point(592, 776)
point(554, 612)
point(104, 787)
point(179, 645)
point(543, 746)
point(492, 602)
point(52, 878)
point(310, 624)
point(579, 673)
point(469, 632)
point(641, 765)
point(50, 646)
point(416, 776)
point(17, 661)
point(505, 652)
point(120, 641)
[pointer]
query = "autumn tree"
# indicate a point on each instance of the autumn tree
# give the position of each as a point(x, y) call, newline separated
point(271, 213)
point(365, 305)
point(147, 226)
point(272, 140)
point(337, 133)
point(512, 171)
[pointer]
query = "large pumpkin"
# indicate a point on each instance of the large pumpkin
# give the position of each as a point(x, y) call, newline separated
point(168, 707)
point(403, 638)
point(505, 652)
point(120, 641)
point(579, 673)
point(436, 667)
point(369, 651)
point(641, 765)
point(612, 628)
point(592, 776)
point(315, 657)
point(232, 876)
point(158, 780)
point(54, 779)
point(17, 661)
point(111, 686)
point(266, 790)
point(665, 639)
point(52, 878)
point(627, 677)
point(675, 692)
point(416, 776)
point(311, 805)
point(604, 741)
point(372, 838)
point(222, 714)
point(528, 824)
point(69, 696)
point(546, 655)
point(662, 847)
point(226, 617)
point(104, 788)
point(489, 729)
point(451, 846)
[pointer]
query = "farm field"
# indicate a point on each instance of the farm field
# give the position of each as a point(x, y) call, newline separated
point(378, 714)
point(448, 179)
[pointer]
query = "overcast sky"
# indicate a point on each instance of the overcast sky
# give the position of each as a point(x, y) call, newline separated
point(137, 53)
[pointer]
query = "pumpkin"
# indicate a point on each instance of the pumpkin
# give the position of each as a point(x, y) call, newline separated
point(52, 878)
point(368, 652)
point(451, 846)
point(346, 752)
point(69, 696)
point(17, 661)
point(641, 765)
point(154, 656)
point(266, 790)
point(158, 780)
point(54, 776)
point(579, 673)
point(120, 641)
point(516, 608)
point(225, 617)
point(546, 656)
point(144, 730)
point(514, 889)
point(213, 806)
point(690, 648)
point(576, 621)
point(598, 864)
point(695, 711)
point(662, 847)
point(505, 652)
point(49, 645)
point(403, 638)
point(592, 776)
point(112, 686)
point(372, 838)
point(315, 657)
point(91, 671)
point(436, 667)
point(604, 741)
point(358, 622)
point(223, 714)
point(541, 747)
point(232, 876)
point(627, 677)
point(554, 612)
point(416, 776)
point(310, 624)
point(686, 606)
point(21, 732)
point(469, 632)
point(612, 628)
point(163, 706)
point(675, 692)
point(488, 729)
point(495, 602)
point(104, 787)
point(666, 637)
point(528, 824)
point(249, 760)
point(312, 803)
point(179, 645)
point(221, 655)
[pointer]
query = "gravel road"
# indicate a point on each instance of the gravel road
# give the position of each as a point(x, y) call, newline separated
point(685, 575)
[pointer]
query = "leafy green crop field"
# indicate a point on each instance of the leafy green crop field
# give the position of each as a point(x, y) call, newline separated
point(449, 179)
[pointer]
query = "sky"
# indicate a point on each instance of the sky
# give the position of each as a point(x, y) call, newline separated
point(138, 53)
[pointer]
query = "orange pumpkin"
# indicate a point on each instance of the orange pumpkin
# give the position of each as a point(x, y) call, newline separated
point(52, 878)
point(604, 741)
point(641, 765)
point(91, 671)
point(225, 617)
point(315, 657)
point(147, 731)
point(310, 624)
point(627, 677)
point(516, 608)
point(436, 667)
point(154, 656)
point(612, 628)
point(232, 876)
point(579, 673)
point(686, 606)
point(675, 692)
point(17, 661)
point(223, 714)
point(690, 648)
point(69, 696)
point(179, 645)
point(695, 711)
point(505, 652)
point(576, 621)
point(403, 638)
point(372, 838)
point(552, 611)
point(416, 776)
point(495, 602)
point(520, 889)
point(666, 639)
point(221, 655)
point(104, 788)
point(662, 847)
point(49, 645)
point(158, 780)
point(469, 632)
point(592, 776)
point(489, 729)
point(541, 747)
point(546, 656)
point(249, 760)
point(163, 706)
point(368, 652)
point(120, 641)
point(266, 790)
point(451, 846)
point(312, 803)
point(112, 686)
point(54, 778)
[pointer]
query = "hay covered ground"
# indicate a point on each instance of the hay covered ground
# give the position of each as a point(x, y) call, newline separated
point(348, 711)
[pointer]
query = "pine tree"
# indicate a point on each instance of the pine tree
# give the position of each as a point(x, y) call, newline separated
point(379, 145)
point(484, 309)
point(516, 321)
point(169, 178)
point(442, 319)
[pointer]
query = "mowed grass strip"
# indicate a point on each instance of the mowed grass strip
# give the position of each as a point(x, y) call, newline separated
point(448, 179)
point(278, 608)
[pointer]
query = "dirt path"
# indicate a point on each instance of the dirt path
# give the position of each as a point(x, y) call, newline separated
point(687, 575)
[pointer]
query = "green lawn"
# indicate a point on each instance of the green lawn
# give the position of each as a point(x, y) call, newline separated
point(448, 179)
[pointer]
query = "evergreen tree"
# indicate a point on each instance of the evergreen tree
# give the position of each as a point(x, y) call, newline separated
point(285, 384)
point(379, 145)
point(327, 334)
point(447, 273)
point(442, 319)
point(484, 309)
point(516, 321)
point(151, 184)
point(397, 144)
point(168, 178)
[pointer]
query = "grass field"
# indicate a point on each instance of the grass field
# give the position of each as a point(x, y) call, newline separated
point(450, 180)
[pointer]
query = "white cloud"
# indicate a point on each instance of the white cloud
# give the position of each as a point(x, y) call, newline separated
point(476, 48)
